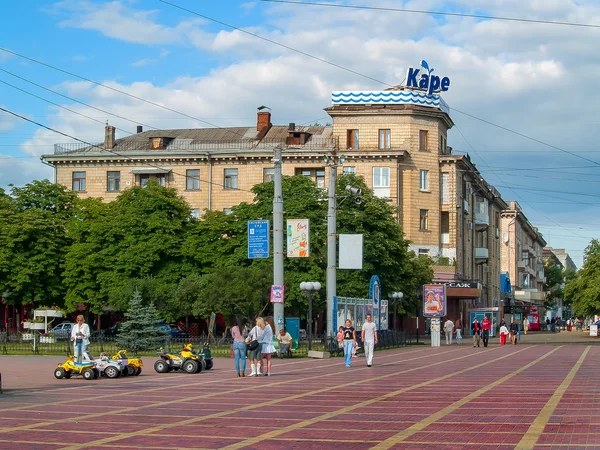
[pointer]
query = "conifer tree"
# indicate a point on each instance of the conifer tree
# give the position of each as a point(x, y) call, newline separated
point(138, 332)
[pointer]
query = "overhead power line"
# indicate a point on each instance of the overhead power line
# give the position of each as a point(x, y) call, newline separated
point(439, 13)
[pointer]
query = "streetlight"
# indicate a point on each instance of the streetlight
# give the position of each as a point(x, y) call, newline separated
point(310, 287)
point(333, 162)
point(396, 297)
point(278, 310)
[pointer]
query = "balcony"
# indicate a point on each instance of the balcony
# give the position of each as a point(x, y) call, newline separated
point(521, 265)
point(482, 221)
point(481, 253)
point(466, 206)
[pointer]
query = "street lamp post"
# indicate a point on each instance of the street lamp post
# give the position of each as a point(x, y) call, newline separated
point(278, 310)
point(395, 297)
point(309, 287)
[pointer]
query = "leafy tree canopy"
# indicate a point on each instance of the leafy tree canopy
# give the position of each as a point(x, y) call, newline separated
point(584, 290)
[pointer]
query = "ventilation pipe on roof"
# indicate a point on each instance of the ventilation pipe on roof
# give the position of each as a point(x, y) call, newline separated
point(140, 128)
point(109, 136)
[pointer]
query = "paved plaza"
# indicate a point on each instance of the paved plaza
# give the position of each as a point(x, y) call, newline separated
point(451, 397)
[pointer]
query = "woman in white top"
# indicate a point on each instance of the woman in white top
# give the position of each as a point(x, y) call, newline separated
point(267, 344)
point(80, 335)
point(255, 334)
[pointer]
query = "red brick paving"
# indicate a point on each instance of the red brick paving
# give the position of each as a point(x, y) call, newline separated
point(313, 404)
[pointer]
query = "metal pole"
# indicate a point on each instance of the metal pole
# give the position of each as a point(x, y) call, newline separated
point(278, 310)
point(331, 248)
point(309, 320)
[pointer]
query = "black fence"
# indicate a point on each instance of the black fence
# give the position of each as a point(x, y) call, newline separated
point(39, 344)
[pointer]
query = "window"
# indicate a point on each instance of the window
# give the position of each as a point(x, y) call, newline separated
point(445, 228)
point(79, 181)
point(144, 178)
point(381, 182)
point(423, 252)
point(227, 211)
point(162, 179)
point(192, 179)
point(525, 255)
point(352, 139)
point(481, 205)
point(424, 183)
point(231, 178)
point(195, 213)
point(423, 140)
point(349, 170)
point(445, 188)
point(268, 175)
point(384, 139)
point(443, 145)
point(320, 178)
point(113, 181)
point(423, 214)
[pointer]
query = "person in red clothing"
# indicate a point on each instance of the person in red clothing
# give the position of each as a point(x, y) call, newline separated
point(486, 328)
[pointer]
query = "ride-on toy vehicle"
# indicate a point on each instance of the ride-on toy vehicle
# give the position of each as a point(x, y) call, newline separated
point(106, 366)
point(186, 360)
point(87, 369)
point(207, 356)
point(133, 366)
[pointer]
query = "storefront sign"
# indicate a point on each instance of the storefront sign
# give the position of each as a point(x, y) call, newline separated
point(422, 78)
point(462, 284)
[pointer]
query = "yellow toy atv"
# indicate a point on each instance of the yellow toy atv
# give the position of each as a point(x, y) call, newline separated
point(133, 366)
point(87, 369)
point(186, 360)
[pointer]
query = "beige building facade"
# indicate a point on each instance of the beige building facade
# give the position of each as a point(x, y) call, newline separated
point(447, 210)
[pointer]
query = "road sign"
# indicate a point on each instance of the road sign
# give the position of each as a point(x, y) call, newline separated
point(258, 239)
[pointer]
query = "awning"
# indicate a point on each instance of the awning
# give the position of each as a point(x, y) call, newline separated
point(150, 170)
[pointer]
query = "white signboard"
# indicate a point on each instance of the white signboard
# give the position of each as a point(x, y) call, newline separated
point(593, 330)
point(351, 251)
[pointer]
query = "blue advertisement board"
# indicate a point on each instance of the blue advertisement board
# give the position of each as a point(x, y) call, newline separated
point(258, 239)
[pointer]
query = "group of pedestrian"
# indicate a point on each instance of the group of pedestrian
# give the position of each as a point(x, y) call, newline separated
point(453, 329)
point(350, 345)
point(255, 345)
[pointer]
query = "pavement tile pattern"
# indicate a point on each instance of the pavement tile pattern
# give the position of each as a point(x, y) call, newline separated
point(451, 397)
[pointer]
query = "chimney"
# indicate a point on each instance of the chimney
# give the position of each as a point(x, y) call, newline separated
point(263, 120)
point(140, 128)
point(109, 136)
point(292, 126)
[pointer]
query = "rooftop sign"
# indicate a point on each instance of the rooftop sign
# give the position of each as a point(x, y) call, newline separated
point(422, 78)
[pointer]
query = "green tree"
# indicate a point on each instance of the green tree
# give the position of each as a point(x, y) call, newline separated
point(34, 242)
point(584, 290)
point(138, 235)
point(138, 332)
point(553, 286)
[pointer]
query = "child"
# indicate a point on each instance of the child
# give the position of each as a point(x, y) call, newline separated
point(340, 337)
point(458, 336)
point(503, 334)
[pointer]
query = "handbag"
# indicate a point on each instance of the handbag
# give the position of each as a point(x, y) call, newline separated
point(253, 345)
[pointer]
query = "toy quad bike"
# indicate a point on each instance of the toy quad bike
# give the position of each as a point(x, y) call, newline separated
point(87, 369)
point(106, 366)
point(132, 366)
point(186, 360)
point(207, 356)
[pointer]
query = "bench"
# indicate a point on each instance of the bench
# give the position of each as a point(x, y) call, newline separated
point(292, 348)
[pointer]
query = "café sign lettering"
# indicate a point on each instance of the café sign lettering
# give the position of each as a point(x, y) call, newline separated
point(461, 284)
point(422, 78)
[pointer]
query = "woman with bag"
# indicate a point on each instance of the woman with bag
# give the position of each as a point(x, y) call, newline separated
point(267, 345)
point(254, 347)
point(80, 335)
point(238, 333)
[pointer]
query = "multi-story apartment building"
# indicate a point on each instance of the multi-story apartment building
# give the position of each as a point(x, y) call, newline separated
point(395, 139)
point(522, 246)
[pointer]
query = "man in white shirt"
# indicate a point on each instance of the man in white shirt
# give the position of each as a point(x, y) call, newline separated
point(369, 337)
point(448, 327)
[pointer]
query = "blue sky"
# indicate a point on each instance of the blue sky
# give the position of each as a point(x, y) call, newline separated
point(537, 80)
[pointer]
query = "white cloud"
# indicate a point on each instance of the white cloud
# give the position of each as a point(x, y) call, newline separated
point(8, 121)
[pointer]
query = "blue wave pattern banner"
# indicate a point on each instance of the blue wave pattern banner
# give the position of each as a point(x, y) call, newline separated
point(389, 97)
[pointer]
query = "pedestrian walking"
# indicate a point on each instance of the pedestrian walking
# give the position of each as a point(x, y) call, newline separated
point(369, 339)
point(486, 329)
point(255, 348)
point(476, 330)
point(503, 333)
point(525, 325)
point(458, 328)
point(239, 334)
point(349, 342)
point(448, 327)
point(514, 330)
point(547, 324)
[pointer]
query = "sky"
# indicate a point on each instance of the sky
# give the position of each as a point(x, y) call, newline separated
point(523, 95)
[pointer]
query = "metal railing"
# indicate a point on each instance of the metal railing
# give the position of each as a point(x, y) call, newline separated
point(189, 145)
